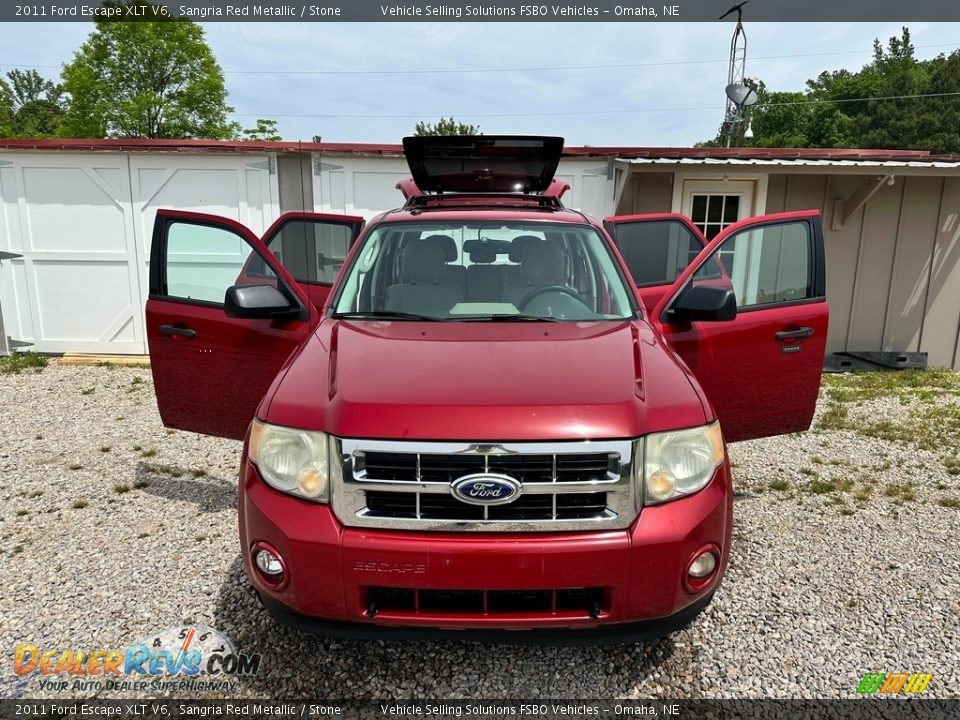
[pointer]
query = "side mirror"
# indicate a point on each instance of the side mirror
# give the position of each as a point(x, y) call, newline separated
point(258, 302)
point(706, 303)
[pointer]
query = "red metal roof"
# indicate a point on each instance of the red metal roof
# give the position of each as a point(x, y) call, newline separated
point(396, 150)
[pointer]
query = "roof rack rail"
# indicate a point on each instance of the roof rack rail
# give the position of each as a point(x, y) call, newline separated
point(414, 197)
point(482, 200)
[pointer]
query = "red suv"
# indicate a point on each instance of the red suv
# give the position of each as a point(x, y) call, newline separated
point(485, 412)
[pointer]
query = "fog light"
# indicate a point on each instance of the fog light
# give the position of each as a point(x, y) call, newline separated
point(268, 563)
point(704, 564)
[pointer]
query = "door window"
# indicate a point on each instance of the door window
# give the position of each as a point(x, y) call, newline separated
point(312, 252)
point(770, 264)
point(656, 251)
point(202, 262)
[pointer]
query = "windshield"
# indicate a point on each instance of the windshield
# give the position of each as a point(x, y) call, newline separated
point(485, 271)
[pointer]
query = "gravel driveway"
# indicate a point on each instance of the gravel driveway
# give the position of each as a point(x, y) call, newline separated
point(112, 527)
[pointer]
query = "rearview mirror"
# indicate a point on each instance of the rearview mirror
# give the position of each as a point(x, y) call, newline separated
point(705, 303)
point(258, 302)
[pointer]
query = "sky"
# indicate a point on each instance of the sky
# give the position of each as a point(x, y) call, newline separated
point(675, 98)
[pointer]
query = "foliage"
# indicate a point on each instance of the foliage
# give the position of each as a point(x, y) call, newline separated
point(155, 79)
point(843, 108)
point(30, 105)
point(17, 362)
point(264, 130)
point(446, 126)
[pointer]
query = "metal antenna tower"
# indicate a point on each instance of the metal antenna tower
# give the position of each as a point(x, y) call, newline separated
point(736, 76)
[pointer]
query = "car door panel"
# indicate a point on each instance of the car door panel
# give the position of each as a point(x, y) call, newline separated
point(211, 371)
point(760, 371)
point(656, 247)
point(313, 248)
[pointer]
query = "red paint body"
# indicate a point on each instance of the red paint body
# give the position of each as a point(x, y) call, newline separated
point(570, 381)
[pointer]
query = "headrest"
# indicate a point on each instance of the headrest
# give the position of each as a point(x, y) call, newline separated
point(483, 256)
point(447, 244)
point(422, 262)
point(520, 244)
point(542, 264)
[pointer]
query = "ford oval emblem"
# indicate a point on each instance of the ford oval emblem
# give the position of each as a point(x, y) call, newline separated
point(486, 489)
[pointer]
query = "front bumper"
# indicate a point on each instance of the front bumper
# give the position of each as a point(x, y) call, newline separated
point(641, 570)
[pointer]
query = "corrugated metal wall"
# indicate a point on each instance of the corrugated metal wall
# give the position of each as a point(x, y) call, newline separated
point(893, 270)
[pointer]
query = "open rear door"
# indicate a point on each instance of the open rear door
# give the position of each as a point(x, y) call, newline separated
point(210, 371)
point(312, 248)
point(760, 369)
point(656, 247)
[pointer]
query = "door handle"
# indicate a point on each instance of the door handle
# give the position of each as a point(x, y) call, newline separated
point(785, 335)
point(173, 330)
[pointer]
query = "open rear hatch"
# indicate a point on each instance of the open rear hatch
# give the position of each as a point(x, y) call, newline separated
point(483, 163)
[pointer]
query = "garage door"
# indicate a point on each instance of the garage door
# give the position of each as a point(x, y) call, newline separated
point(80, 224)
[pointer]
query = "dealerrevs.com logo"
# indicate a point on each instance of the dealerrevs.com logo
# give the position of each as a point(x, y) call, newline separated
point(181, 657)
point(894, 683)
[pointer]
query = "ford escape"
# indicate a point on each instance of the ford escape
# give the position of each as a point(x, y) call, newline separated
point(484, 412)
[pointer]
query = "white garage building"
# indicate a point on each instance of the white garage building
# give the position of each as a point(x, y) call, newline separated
point(76, 219)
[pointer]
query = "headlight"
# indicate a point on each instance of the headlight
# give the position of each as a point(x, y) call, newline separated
point(679, 462)
point(292, 461)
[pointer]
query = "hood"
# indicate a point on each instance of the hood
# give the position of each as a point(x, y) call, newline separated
point(485, 381)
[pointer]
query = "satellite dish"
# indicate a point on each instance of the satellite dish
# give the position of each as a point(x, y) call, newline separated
point(742, 95)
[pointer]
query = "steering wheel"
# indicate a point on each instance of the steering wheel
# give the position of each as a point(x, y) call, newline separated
point(549, 288)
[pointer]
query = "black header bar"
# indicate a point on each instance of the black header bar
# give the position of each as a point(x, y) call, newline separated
point(488, 11)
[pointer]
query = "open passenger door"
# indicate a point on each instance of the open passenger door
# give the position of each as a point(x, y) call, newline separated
point(224, 313)
point(749, 317)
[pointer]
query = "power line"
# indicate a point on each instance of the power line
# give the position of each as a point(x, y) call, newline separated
point(627, 111)
point(563, 68)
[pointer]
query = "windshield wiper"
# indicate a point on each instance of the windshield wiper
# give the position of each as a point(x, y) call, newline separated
point(504, 317)
point(383, 315)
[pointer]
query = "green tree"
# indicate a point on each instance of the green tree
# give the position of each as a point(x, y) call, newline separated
point(30, 105)
point(264, 130)
point(156, 79)
point(886, 104)
point(6, 109)
point(446, 126)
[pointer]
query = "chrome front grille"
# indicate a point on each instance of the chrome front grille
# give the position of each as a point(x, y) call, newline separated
point(564, 486)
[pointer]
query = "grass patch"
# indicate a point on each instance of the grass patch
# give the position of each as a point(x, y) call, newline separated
point(949, 502)
point(808, 472)
point(780, 485)
point(79, 504)
point(149, 452)
point(905, 384)
point(140, 484)
point(17, 362)
point(198, 473)
point(22, 513)
point(88, 391)
point(121, 488)
point(200, 538)
point(833, 418)
point(952, 464)
point(822, 487)
point(863, 494)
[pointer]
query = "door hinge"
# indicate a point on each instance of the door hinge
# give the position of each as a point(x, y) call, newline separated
point(270, 165)
point(4, 255)
point(319, 166)
point(14, 344)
